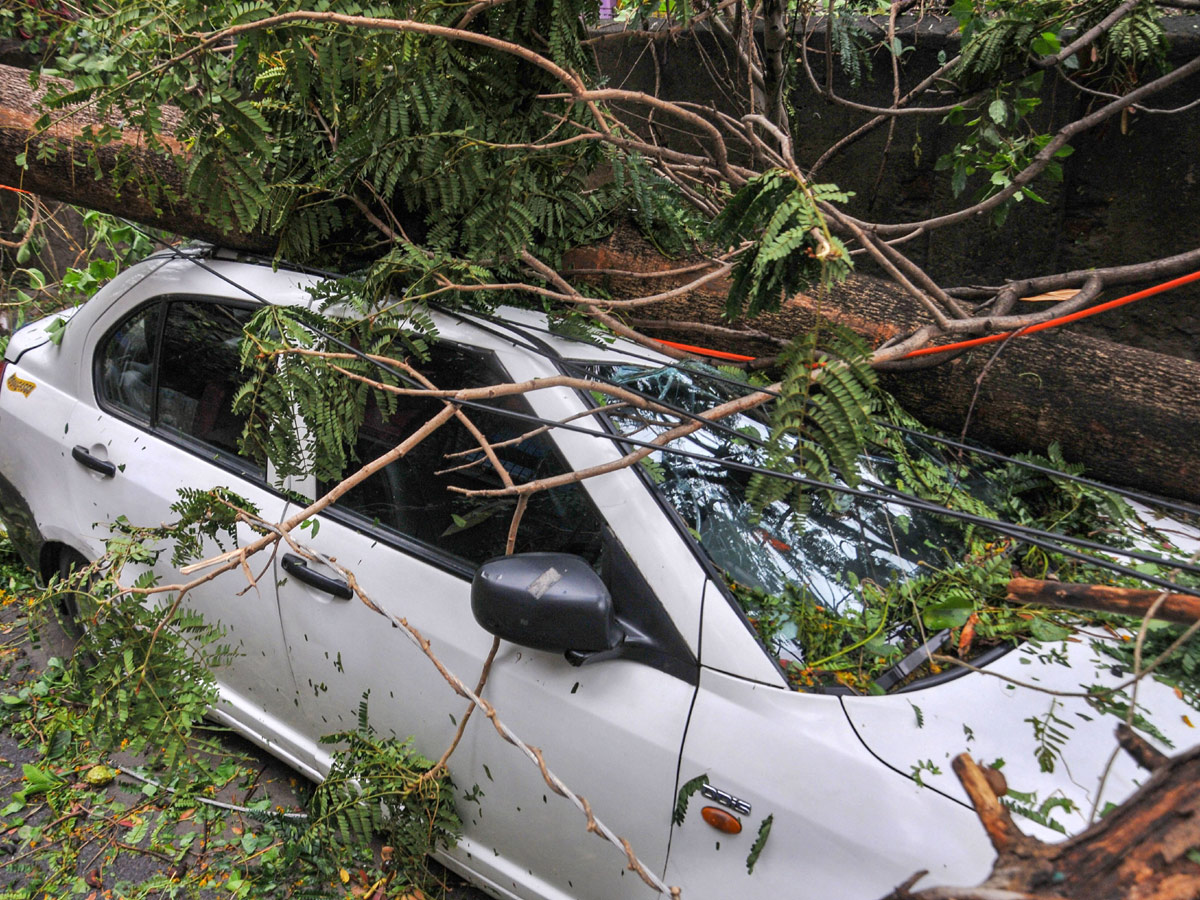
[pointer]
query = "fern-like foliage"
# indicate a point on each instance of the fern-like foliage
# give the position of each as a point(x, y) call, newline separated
point(205, 515)
point(995, 44)
point(671, 226)
point(379, 788)
point(301, 414)
point(851, 41)
point(1134, 45)
point(822, 421)
point(792, 248)
point(358, 147)
point(1000, 42)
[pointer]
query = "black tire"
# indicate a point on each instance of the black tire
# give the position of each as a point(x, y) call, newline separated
point(70, 606)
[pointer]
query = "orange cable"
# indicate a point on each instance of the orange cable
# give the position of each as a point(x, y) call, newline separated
point(705, 351)
point(991, 338)
point(1061, 320)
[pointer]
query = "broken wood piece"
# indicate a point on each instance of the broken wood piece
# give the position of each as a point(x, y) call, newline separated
point(1182, 609)
point(993, 815)
point(1139, 748)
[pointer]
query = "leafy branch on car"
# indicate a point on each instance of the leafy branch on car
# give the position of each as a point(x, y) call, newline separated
point(703, 176)
point(420, 145)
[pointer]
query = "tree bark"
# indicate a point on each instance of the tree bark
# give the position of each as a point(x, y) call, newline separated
point(1142, 850)
point(1129, 415)
point(1183, 609)
point(58, 167)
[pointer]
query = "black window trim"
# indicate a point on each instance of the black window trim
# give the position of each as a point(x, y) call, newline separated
point(428, 553)
point(431, 553)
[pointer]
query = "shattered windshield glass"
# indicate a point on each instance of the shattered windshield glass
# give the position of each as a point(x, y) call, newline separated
point(828, 554)
point(864, 593)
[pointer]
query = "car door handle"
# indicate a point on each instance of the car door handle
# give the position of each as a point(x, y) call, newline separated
point(298, 568)
point(103, 466)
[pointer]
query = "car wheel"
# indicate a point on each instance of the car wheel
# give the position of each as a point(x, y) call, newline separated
point(72, 607)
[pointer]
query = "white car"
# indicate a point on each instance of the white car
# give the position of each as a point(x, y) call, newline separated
point(655, 677)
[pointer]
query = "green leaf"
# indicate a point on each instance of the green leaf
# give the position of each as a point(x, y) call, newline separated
point(998, 111)
point(55, 330)
point(1043, 629)
point(764, 832)
point(99, 775)
point(950, 612)
point(685, 794)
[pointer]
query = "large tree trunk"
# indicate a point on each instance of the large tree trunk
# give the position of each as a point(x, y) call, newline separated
point(1130, 415)
point(58, 168)
point(1142, 850)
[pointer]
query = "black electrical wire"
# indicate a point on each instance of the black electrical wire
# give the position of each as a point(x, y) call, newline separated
point(1035, 537)
point(543, 349)
point(890, 491)
point(1128, 494)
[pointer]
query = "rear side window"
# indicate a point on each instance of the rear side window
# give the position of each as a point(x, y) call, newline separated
point(125, 364)
point(413, 497)
point(198, 372)
point(173, 365)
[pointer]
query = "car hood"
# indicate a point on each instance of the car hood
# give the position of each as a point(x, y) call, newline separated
point(1024, 712)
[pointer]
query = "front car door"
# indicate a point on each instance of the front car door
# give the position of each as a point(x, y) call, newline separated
point(611, 730)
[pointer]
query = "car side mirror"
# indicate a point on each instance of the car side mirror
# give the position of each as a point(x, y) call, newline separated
point(546, 601)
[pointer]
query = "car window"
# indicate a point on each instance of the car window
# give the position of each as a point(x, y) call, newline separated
point(826, 555)
point(199, 372)
point(126, 359)
point(413, 496)
point(174, 365)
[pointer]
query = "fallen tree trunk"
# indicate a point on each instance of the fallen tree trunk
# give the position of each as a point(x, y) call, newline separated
point(1183, 609)
point(1142, 850)
point(58, 168)
point(1129, 415)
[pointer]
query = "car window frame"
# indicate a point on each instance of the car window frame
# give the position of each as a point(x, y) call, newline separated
point(431, 553)
point(574, 367)
point(235, 464)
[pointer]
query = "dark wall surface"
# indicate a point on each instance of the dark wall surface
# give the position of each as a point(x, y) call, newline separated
point(1130, 192)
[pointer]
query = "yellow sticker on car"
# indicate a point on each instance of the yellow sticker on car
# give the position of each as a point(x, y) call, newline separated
point(20, 385)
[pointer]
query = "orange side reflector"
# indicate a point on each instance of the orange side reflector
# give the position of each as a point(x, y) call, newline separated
point(721, 820)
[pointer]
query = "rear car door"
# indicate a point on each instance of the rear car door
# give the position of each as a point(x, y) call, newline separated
point(156, 416)
point(612, 730)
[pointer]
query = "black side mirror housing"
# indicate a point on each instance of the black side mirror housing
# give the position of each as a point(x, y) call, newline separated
point(546, 601)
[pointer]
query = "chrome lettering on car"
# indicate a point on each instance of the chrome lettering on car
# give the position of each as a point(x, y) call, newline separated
point(20, 385)
point(727, 800)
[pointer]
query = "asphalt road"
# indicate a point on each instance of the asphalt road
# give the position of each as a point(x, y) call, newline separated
point(21, 661)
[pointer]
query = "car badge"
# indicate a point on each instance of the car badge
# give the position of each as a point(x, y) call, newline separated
point(20, 385)
point(727, 800)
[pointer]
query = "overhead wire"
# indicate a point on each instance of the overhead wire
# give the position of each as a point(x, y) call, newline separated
point(715, 375)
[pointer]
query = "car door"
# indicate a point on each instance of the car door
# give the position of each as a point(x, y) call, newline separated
point(611, 730)
point(157, 417)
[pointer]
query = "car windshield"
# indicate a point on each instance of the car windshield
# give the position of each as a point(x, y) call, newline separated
point(827, 554)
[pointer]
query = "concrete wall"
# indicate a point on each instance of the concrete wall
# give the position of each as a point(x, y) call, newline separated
point(1131, 191)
